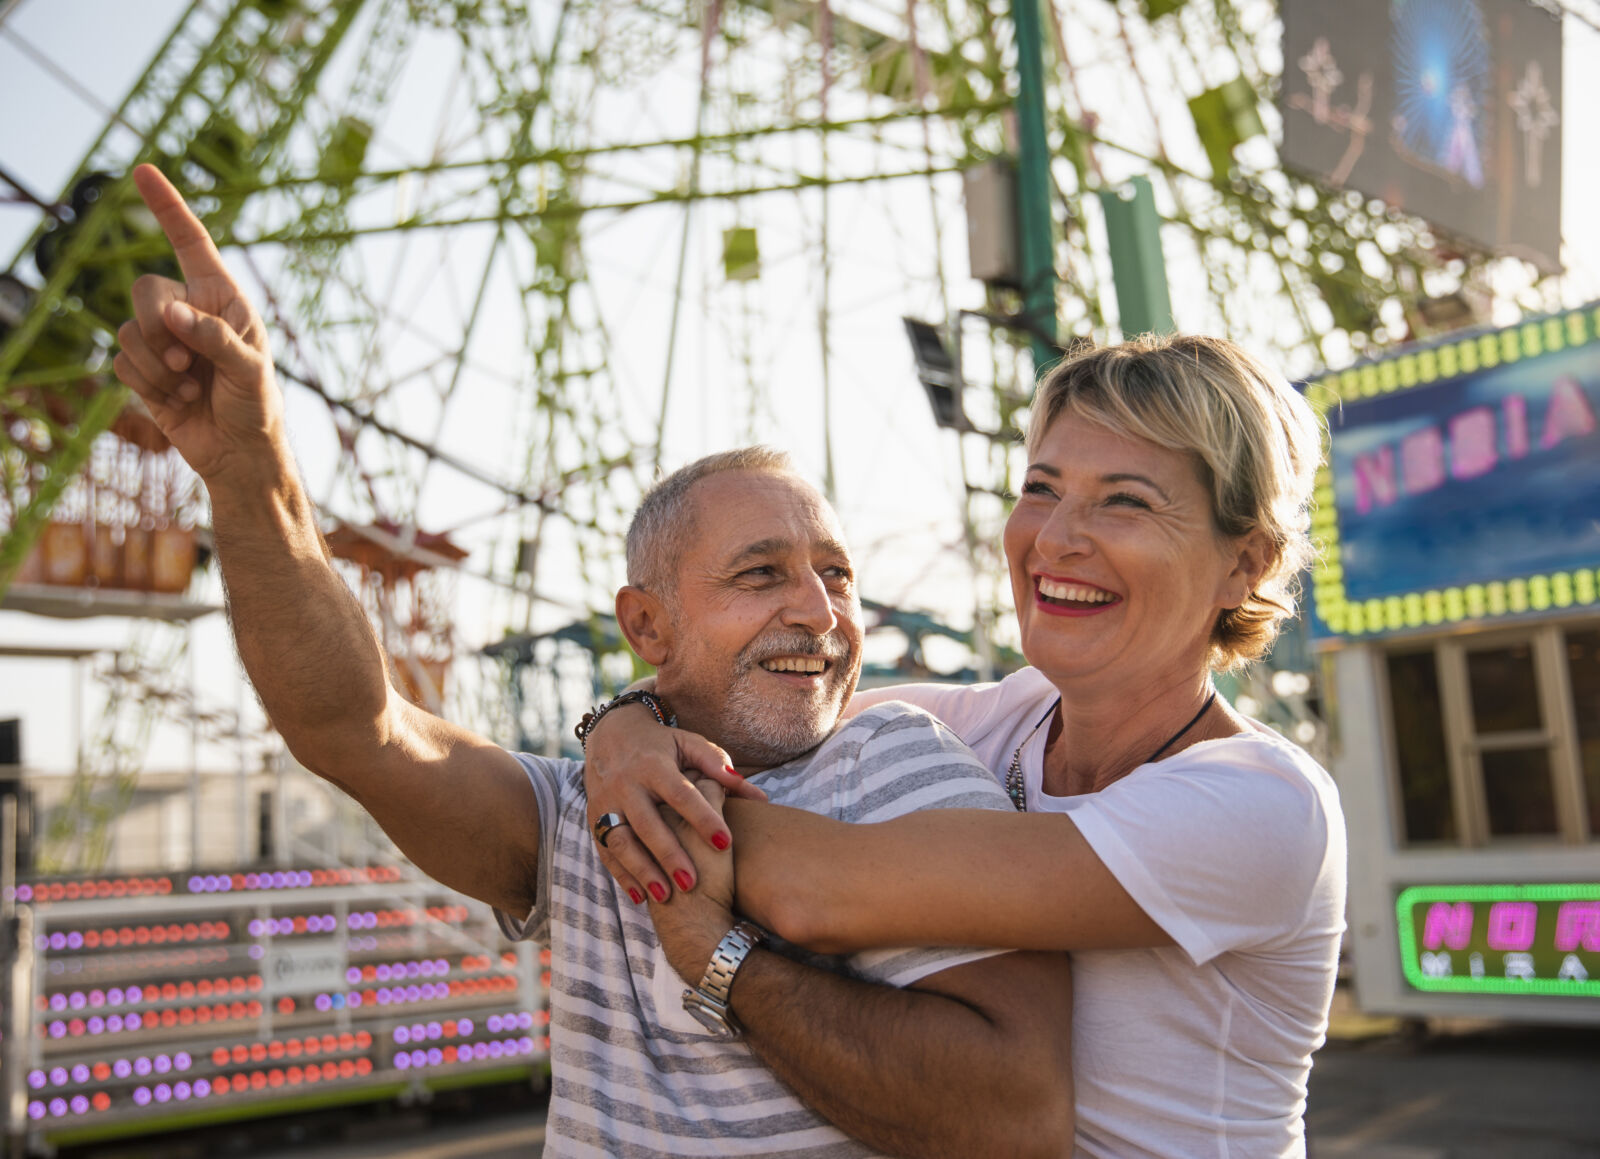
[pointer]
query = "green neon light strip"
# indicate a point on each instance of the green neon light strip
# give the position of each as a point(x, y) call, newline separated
point(1457, 357)
point(1462, 602)
point(1452, 605)
point(1420, 894)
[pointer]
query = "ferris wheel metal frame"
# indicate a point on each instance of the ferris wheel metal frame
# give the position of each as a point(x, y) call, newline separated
point(271, 113)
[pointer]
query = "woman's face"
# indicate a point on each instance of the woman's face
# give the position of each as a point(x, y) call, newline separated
point(1116, 565)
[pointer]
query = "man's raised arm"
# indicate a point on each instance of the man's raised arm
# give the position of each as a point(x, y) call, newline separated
point(196, 352)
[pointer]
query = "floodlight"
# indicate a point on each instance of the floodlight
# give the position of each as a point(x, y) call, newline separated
point(939, 375)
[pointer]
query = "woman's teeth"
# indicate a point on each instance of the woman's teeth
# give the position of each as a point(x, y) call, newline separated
point(1075, 593)
point(810, 666)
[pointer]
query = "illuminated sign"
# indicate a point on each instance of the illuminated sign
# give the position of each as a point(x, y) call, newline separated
point(1450, 109)
point(1501, 939)
point(304, 967)
point(1462, 481)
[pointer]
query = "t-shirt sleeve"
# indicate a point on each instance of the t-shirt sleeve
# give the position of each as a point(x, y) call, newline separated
point(985, 716)
point(1222, 854)
point(909, 762)
point(957, 705)
point(548, 781)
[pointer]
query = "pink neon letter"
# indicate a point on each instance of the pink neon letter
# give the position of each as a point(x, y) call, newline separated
point(1511, 924)
point(1472, 450)
point(1515, 412)
point(1448, 923)
point(1578, 922)
point(1375, 481)
point(1569, 415)
point(1422, 460)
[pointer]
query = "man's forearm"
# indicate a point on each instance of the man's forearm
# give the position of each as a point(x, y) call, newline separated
point(975, 1059)
point(458, 806)
point(912, 1072)
point(304, 639)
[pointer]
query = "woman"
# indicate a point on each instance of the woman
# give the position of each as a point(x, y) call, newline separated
point(1191, 859)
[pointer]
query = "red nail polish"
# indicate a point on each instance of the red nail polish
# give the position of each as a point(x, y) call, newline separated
point(685, 882)
point(733, 771)
point(720, 840)
point(658, 891)
point(636, 897)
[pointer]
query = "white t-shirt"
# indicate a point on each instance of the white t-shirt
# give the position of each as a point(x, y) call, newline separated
point(1236, 848)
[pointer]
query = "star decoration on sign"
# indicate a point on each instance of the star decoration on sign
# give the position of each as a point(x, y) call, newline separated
point(1323, 75)
point(1536, 117)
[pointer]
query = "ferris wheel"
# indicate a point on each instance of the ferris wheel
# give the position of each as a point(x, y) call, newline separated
point(516, 256)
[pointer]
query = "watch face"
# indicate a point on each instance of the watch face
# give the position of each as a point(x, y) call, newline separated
point(712, 1019)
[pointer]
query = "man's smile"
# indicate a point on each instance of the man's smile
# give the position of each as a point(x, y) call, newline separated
point(803, 665)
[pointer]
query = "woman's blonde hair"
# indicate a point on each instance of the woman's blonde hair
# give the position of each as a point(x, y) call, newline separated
point(1256, 441)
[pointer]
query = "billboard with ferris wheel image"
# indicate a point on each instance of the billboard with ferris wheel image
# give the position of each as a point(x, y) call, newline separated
point(1442, 77)
point(1449, 109)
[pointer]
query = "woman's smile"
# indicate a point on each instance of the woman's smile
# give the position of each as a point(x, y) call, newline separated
point(1072, 597)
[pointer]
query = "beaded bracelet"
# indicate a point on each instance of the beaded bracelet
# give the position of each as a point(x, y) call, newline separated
point(650, 700)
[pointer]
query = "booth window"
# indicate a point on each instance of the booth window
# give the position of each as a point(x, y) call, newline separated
point(1508, 730)
point(1427, 801)
point(1505, 689)
point(1496, 737)
point(1518, 794)
point(1583, 671)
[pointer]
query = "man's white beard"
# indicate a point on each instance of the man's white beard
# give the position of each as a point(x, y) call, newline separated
point(764, 737)
point(761, 732)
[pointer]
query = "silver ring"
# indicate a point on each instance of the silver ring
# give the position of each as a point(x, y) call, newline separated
point(606, 823)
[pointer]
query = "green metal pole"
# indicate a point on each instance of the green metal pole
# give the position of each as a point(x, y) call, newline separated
point(1033, 186)
point(1133, 228)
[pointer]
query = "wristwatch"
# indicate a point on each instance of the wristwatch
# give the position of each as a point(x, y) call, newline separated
point(709, 1002)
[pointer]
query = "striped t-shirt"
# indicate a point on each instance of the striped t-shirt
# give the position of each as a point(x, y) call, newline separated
point(633, 1074)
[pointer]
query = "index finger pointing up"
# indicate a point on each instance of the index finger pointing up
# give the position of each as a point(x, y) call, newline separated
point(197, 255)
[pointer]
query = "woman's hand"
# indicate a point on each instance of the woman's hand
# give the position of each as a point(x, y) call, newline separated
point(690, 929)
point(634, 766)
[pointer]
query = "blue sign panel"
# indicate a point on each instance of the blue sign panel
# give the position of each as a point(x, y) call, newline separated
point(1463, 481)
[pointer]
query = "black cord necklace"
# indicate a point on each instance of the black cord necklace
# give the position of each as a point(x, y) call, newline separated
point(1193, 720)
point(1014, 786)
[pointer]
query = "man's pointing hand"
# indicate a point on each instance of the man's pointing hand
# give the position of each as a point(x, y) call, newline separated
point(196, 351)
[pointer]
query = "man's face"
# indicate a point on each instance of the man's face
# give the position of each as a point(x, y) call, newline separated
point(766, 627)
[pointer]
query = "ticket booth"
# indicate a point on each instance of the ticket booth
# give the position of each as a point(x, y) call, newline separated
point(1457, 607)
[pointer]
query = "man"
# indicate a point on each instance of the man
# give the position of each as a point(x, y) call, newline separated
point(752, 620)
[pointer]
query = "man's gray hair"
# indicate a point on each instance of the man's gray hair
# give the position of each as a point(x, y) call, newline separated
point(663, 522)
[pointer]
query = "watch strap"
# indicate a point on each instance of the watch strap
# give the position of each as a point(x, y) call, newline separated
point(717, 982)
point(709, 1002)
